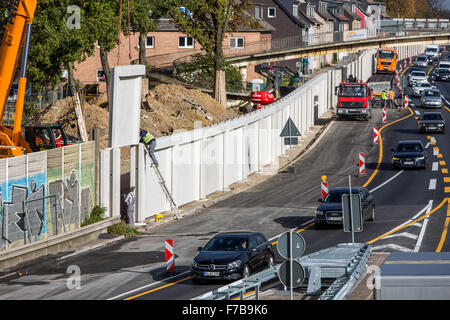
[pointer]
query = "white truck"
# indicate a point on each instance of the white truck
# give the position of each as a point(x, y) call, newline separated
point(432, 51)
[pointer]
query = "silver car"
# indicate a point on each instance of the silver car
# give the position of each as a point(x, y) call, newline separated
point(417, 76)
point(422, 61)
point(419, 87)
point(431, 98)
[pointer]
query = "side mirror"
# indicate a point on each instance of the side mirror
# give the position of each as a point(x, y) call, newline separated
point(199, 248)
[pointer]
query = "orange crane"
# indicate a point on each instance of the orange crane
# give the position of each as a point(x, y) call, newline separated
point(16, 37)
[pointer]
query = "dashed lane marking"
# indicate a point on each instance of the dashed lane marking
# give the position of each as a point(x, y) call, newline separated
point(435, 166)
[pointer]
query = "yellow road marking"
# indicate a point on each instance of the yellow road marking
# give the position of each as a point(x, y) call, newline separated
point(298, 231)
point(446, 179)
point(380, 157)
point(444, 170)
point(159, 288)
point(447, 189)
point(412, 222)
point(432, 143)
point(442, 163)
point(429, 137)
point(444, 232)
point(439, 155)
point(436, 149)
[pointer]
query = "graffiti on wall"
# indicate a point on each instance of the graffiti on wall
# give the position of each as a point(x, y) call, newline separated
point(24, 216)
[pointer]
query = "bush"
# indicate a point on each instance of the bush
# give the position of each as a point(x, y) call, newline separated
point(122, 228)
point(95, 216)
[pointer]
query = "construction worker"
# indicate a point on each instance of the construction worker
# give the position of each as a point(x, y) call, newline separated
point(384, 97)
point(391, 96)
point(130, 200)
point(150, 143)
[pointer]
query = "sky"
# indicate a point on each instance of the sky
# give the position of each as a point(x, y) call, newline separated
point(446, 4)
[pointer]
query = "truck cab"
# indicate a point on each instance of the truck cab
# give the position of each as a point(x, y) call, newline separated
point(432, 51)
point(44, 137)
point(354, 100)
point(386, 60)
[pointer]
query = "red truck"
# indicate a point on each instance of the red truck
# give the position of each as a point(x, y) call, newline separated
point(355, 99)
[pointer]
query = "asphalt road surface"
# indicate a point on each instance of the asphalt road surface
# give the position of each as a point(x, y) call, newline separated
point(411, 214)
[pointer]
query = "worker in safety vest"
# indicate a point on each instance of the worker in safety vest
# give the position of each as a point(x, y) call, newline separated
point(391, 96)
point(150, 143)
point(384, 97)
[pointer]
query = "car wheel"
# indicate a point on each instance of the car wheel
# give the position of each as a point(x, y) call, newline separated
point(245, 271)
point(372, 215)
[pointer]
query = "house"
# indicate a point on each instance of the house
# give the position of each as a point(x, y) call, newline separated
point(326, 20)
point(167, 45)
point(341, 22)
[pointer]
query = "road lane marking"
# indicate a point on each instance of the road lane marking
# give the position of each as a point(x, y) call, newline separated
point(439, 155)
point(423, 228)
point(403, 234)
point(444, 170)
point(380, 157)
point(159, 288)
point(417, 112)
point(428, 144)
point(305, 226)
point(435, 151)
point(444, 232)
point(395, 247)
point(411, 221)
point(435, 166)
point(442, 163)
point(432, 185)
point(386, 181)
point(447, 189)
point(148, 285)
point(446, 179)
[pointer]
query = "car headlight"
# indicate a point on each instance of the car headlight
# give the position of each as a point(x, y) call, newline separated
point(194, 264)
point(319, 213)
point(420, 158)
point(235, 264)
point(440, 124)
point(395, 159)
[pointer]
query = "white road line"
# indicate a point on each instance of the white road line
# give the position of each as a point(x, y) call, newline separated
point(428, 144)
point(435, 151)
point(417, 112)
point(403, 234)
point(422, 230)
point(148, 285)
point(387, 181)
point(392, 246)
point(435, 166)
point(432, 185)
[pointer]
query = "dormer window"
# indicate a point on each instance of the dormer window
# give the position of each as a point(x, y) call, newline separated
point(295, 10)
point(310, 11)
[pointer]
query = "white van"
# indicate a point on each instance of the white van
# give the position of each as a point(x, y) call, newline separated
point(432, 50)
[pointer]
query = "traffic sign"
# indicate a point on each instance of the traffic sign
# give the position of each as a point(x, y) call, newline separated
point(298, 245)
point(298, 274)
point(352, 213)
point(290, 130)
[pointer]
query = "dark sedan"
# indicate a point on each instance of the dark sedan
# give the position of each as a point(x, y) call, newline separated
point(330, 211)
point(443, 74)
point(409, 154)
point(432, 121)
point(232, 256)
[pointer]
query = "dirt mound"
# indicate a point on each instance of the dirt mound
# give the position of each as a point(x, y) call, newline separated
point(166, 108)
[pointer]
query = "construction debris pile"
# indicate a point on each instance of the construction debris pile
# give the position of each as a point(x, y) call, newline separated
point(166, 108)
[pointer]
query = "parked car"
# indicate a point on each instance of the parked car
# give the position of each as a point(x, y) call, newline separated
point(422, 61)
point(431, 98)
point(330, 211)
point(442, 74)
point(417, 76)
point(231, 256)
point(419, 87)
point(409, 154)
point(432, 121)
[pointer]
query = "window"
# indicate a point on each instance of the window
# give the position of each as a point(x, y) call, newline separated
point(149, 42)
point(253, 243)
point(260, 240)
point(185, 42)
point(295, 10)
point(310, 11)
point(271, 12)
point(100, 75)
point(236, 43)
point(258, 12)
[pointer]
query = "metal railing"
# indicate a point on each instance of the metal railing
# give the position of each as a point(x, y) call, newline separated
point(346, 263)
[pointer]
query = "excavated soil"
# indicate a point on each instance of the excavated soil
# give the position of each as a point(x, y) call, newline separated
point(166, 108)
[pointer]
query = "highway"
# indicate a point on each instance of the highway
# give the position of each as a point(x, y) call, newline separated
point(411, 215)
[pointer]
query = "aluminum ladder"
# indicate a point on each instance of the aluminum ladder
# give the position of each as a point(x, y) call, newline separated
point(162, 182)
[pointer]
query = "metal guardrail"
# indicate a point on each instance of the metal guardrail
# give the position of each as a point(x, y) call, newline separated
point(346, 263)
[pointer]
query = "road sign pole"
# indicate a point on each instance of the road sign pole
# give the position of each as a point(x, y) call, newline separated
point(351, 209)
point(290, 147)
point(290, 264)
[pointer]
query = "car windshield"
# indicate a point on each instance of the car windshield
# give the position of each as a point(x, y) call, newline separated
point(335, 196)
point(386, 54)
point(421, 58)
point(423, 85)
point(444, 71)
point(444, 65)
point(408, 147)
point(418, 74)
point(432, 49)
point(352, 91)
point(432, 116)
point(229, 243)
point(431, 93)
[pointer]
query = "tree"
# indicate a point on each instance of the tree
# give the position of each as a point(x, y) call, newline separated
point(144, 17)
point(208, 21)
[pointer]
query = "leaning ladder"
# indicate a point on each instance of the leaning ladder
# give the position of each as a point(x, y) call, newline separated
point(162, 182)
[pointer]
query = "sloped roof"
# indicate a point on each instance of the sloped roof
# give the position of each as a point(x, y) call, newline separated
point(324, 14)
point(348, 12)
point(302, 8)
point(286, 6)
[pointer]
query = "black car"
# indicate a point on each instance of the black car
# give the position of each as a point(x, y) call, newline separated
point(330, 211)
point(409, 154)
point(232, 256)
point(432, 121)
point(443, 74)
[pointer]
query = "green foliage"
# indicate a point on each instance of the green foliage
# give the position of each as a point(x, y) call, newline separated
point(95, 216)
point(30, 109)
point(122, 228)
point(200, 72)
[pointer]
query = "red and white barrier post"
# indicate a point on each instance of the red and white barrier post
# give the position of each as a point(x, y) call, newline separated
point(362, 164)
point(170, 256)
point(324, 187)
point(384, 115)
point(406, 102)
point(375, 135)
